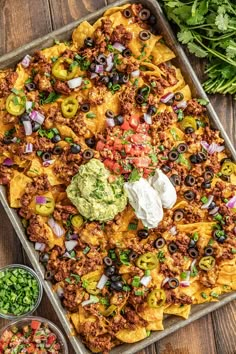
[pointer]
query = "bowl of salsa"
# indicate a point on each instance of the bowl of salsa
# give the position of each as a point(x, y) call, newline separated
point(32, 335)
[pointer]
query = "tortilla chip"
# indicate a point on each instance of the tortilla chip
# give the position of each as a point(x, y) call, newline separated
point(114, 9)
point(22, 77)
point(131, 336)
point(180, 84)
point(54, 51)
point(17, 187)
point(83, 31)
point(178, 310)
point(161, 53)
point(151, 314)
point(186, 92)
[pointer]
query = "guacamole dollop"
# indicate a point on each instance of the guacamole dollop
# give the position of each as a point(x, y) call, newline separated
point(93, 195)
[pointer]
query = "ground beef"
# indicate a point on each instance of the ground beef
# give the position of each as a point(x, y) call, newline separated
point(62, 87)
point(126, 98)
point(62, 212)
point(36, 229)
point(172, 298)
point(194, 108)
point(208, 279)
point(43, 144)
point(5, 174)
point(43, 83)
point(39, 185)
point(166, 271)
point(182, 241)
point(7, 83)
point(120, 35)
point(117, 323)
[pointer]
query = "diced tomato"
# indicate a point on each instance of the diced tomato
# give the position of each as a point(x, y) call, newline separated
point(31, 348)
point(141, 162)
point(35, 325)
point(147, 149)
point(128, 148)
point(100, 146)
point(125, 125)
point(52, 338)
point(109, 164)
point(134, 121)
point(6, 336)
point(143, 128)
point(117, 168)
point(147, 172)
point(139, 138)
point(117, 144)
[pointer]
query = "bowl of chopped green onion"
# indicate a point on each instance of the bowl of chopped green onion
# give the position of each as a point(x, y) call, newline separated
point(20, 291)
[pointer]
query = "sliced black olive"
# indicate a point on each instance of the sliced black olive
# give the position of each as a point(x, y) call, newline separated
point(119, 120)
point(221, 239)
point(92, 67)
point(172, 247)
point(208, 175)
point(139, 99)
point(178, 214)
point(170, 102)
point(109, 114)
point(124, 78)
point(201, 156)
point(88, 154)
point(127, 13)
point(115, 278)
point(206, 185)
point(189, 130)
point(173, 283)
point(152, 20)
point(85, 107)
point(225, 178)
point(175, 180)
point(89, 42)
point(56, 138)
point(30, 86)
point(152, 110)
point(75, 148)
point(144, 35)
point(190, 180)
point(46, 156)
point(193, 252)
point(189, 195)
point(104, 80)
point(57, 150)
point(182, 148)
point(7, 140)
point(144, 14)
point(109, 271)
point(173, 155)
point(44, 257)
point(90, 142)
point(192, 243)
point(160, 242)
point(133, 255)
point(126, 53)
point(212, 205)
point(107, 261)
point(115, 78)
point(219, 236)
point(193, 159)
point(143, 233)
point(49, 274)
point(35, 126)
point(209, 251)
point(25, 117)
point(101, 59)
point(179, 96)
point(165, 168)
point(117, 285)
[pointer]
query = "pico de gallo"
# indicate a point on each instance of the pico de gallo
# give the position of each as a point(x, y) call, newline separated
point(34, 338)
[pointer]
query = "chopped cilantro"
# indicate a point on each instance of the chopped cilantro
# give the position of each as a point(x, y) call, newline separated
point(202, 101)
point(213, 294)
point(161, 147)
point(204, 199)
point(124, 257)
point(194, 272)
point(54, 59)
point(126, 288)
point(139, 292)
point(161, 256)
point(76, 276)
point(134, 176)
point(52, 97)
point(153, 157)
point(69, 140)
point(183, 275)
point(68, 280)
point(104, 301)
point(132, 226)
point(180, 114)
point(110, 48)
point(28, 81)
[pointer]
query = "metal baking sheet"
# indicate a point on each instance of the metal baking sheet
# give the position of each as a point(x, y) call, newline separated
point(171, 323)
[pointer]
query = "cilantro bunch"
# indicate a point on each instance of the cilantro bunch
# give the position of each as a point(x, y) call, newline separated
point(208, 28)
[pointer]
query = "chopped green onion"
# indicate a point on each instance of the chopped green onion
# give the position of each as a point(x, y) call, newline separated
point(136, 281)
point(204, 295)
point(204, 199)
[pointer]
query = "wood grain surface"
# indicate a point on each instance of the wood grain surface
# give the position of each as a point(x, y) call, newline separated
point(24, 20)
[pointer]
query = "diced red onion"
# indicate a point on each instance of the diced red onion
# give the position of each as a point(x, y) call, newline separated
point(74, 237)
point(185, 283)
point(40, 199)
point(93, 76)
point(232, 202)
point(109, 67)
point(192, 265)
point(56, 228)
point(26, 61)
point(110, 62)
point(145, 280)
point(28, 127)
point(210, 200)
point(70, 245)
point(118, 46)
point(182, 105)
point(66, 255)
point(60, 292)
point(48, 163)
point(74, 83)
point(165, 281)
point(37, 117)
point(167, 97)
point(212, 148)
point(214, 211)
point(110, 122)
point(135, 73)
point(187, 275)
point(173, 231)
point(92, 300)
point(99, 69)
point(28, 105)
point(39, 246)
point(8, 162)
point(102, 282)
point(147, 117)
point(14, 140)
point(28, 148)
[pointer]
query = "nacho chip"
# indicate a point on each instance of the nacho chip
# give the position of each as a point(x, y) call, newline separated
point(17, 187)
point(131, 336)
point(83, 31)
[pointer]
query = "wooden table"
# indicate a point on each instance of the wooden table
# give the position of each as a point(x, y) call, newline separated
point(24, 20)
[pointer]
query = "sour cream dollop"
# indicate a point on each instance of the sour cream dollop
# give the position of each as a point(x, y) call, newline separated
point(165, 189)
point(145, 201)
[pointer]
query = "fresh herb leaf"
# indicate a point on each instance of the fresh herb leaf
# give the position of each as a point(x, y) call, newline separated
point(90, 115)
point(132, 226)
point(134, 176)
point(124, 257)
